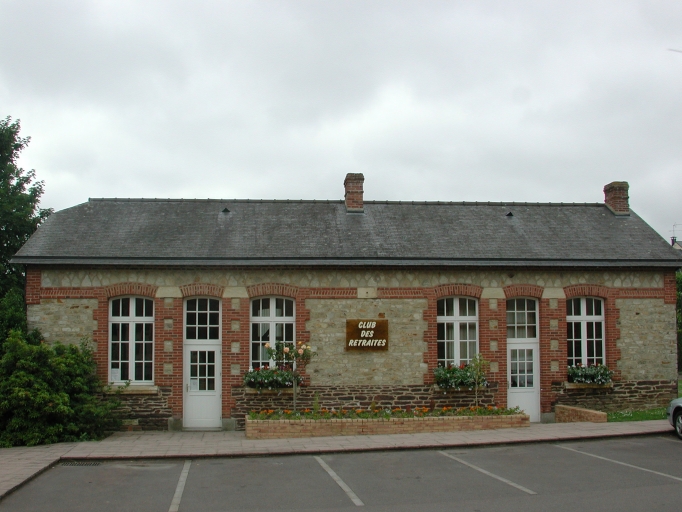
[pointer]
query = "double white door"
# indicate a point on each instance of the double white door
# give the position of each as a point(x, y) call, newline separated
point(202, 387)
point(524, 378)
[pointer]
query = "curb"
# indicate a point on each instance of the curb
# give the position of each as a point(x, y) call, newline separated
point(350, 449)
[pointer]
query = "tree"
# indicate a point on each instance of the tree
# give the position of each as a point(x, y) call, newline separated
point(20, 215)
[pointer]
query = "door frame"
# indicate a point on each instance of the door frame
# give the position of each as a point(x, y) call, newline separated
point(535, 415)
point(216, 422)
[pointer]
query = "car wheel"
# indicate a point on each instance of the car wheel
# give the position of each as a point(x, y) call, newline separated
point(678, 423)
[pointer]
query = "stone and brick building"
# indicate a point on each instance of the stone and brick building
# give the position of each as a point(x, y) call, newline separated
point(179, 297)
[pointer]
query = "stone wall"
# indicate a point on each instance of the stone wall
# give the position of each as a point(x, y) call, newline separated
point(148, 411)
point(403, 362)
point(625, 395)
point(340, 278)
point(347, 397)
point(648, 339)
point(64, 320)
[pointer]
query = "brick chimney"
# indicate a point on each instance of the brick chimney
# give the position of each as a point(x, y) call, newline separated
point(353, 186)
point(616, 197)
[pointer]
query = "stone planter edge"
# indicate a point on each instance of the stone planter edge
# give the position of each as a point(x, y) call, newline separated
point(282, 428)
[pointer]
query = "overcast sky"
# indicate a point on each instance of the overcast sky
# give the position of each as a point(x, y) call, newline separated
point(454, 101)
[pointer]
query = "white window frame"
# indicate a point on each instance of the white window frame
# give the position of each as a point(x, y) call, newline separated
point(200, 323)
point(124, 331)
point(585, 323)
point(269, 324)
point(451, 325)
point(520, 320)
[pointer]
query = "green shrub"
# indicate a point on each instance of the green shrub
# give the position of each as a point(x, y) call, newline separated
point(595, 374)
point(50, 393)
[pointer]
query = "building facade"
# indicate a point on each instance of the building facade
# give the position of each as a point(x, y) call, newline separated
point(180, 297)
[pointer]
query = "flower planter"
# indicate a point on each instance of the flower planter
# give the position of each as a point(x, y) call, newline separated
point(275, 391)
point(272, 429)
point(437, 389)
point(582, 385)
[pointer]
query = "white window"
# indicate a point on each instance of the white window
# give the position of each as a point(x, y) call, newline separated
point(202, 319)
point(457, 321)
point(272, 321)
point(585, 331)
point(522, 319)
point(131, 340)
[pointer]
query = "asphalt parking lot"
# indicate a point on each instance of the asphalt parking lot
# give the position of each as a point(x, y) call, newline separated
point(639, 473)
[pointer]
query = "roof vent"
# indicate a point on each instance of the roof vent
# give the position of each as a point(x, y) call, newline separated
point(510, 214)
point(225, 210)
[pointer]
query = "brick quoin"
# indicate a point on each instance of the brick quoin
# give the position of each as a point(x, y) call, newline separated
point(33, 277)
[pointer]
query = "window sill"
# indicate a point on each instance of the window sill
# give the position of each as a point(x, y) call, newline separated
point(133, 389)
point(582, 385)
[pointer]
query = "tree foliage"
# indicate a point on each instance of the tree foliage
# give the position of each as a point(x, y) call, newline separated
point(20, 215)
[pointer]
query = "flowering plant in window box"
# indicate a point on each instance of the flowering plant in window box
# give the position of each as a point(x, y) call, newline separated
point(593, 374)
point(267, 378)
point(471, 376)
point(285, 354)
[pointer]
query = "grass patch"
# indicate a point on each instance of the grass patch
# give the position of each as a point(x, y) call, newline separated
point(649, 414)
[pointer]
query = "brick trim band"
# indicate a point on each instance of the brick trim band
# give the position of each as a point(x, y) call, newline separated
point(195, 289)
point(523, 290)
point(284, 290)
point(469, 290)
point(145, 290)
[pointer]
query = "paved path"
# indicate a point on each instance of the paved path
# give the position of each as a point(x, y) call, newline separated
point(18, 465)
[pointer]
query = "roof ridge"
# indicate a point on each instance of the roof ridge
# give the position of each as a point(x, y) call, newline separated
point(339, 201)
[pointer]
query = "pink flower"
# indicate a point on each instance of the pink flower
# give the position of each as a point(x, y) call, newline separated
point(300, 351)
point(286, 350)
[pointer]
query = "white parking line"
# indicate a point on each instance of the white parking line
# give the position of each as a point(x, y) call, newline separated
point(621, 463)
point(353, 497)
point(496, 477)
point(175, 504)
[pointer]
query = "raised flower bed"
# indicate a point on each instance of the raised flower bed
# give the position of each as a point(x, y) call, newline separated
point(269, 424)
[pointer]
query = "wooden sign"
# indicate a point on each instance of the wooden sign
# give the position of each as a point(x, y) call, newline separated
point(366, 335)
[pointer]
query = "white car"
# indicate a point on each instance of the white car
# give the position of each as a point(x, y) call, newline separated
point(674, 413)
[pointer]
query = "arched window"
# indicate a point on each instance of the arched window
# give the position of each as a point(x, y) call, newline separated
point(131, 340)
point(272, 320)
point(585, 331)
point(457, 322)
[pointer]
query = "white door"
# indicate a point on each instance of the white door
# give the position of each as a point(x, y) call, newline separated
point(203, 400)
point(523, 378)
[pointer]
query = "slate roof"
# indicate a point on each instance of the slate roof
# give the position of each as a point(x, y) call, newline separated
point(191, 232)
